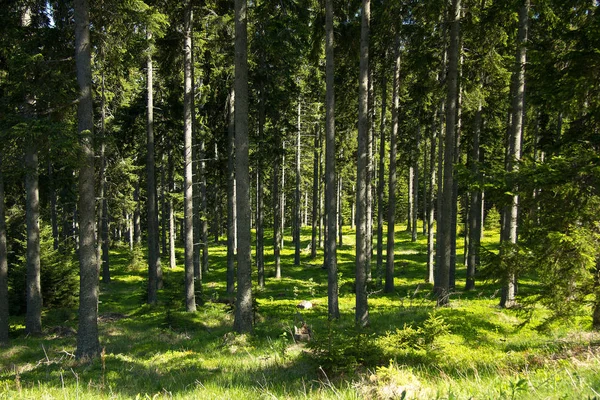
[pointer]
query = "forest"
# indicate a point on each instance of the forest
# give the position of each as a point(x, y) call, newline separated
point(342, 199)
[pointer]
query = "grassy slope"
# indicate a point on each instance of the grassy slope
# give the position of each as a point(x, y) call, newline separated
point(161, 351)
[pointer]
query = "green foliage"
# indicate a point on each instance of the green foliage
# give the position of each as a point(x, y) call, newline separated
point(492, 219)
point(59, 276)
point(421, 338)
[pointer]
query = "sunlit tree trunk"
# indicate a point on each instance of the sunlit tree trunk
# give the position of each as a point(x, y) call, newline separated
point(243, 305)
point(381, 181)
point(88, 345)
point(231, 198)
point(475, 205)
point(362, 309)
point(431, 205)
point(297, 204)
point(190, 299)
point(330, 154)
point(315, 194)
point(260, 234)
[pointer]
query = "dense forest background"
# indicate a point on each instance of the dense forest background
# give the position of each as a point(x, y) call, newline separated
point(151, 125)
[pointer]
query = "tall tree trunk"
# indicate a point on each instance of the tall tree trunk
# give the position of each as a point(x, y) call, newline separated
point(231, 198)
point(4, 325)
point(369, 176)
point(340, 220)
point(277, 214)
point(282, 198)
point(415, 188)
point(330, 153)
point(475, 205)
point(260, 233)
point(362, 308)
point(137, 214)
point(102, 252)
point(88, 345)
point(431, 205)
point(33, 318)
point(151, 208)
point(243, 304)
point(163, 208)
point(53, 210)
point(188, 207)
point(389, 268)
point(297, 204)
point(315, 193)
point(445, 237)
point(381, 181)
point(411, 206)
point(203, 209)
point(172, 260)
point(514, 154)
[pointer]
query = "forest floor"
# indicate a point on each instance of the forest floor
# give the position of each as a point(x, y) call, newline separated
point(411, 349)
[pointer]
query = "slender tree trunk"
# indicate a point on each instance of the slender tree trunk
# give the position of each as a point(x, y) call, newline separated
point(411, 205)
point(315, 194)
point(445, 236)
point(282, 198)
point(243, 305)
point(260, 234)
point(231, 198)
point(330, 153)
point(475, 205)
point(33, 318)
point(369, 176)
point(276, 214)
point(4, 325)
point(152, 211)
point(415, 188)
point(188, 207)
point(88, 345)
point(137, 215)
point(431, 206)
point(297, 193)
point(340, 220)
point(53, 211)
point(163, 208)
point(102, 252)
point(171, 212)
point(362, 308)
point(203, 210)
point(516, 134)
point(389, 269)
point(381, 181)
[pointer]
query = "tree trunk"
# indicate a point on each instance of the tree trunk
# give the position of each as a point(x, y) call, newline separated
point(475, 205)
point(88, 345)
point(362, 308)
point(369, 176)
point(276, 214)
point(172, 259)
point(163, 208)
point(431, 206)
point(282, 198)
point(330, 153)
point(4, 325)
point(33, 318)
point(297, 206)
point(260, 234)
point(443, 288)
point(102, 252)
point(315, 194)
point(137, 215)
point(381, 181)
point(53, 211)
point(231, 198)
point(188, 207)
point(389, 269)
point(514, 154)
point(415, 188)
point(411, 206)
point(339, 211)
point(243, 304)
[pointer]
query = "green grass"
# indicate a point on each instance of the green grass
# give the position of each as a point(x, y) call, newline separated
point(162, 352)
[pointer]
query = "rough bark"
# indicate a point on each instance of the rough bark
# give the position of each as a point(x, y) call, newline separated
point(445, 249)
point(514, 154)
point(102, 252)
point(475, 206)
point(431, 205)
point(188, 208)
point(243, 305)
point(276, 215)
point(137, 215)
point(33, 317)
point(260, 233)
point(315, 194)
point(362, 165)
point(391, 220)
point(330, 153)
point(88, 345)
point(297, 204)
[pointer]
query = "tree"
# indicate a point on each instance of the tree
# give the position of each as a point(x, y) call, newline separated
point(231, 194)
point(33, 319)
point(362, 309)
point(88, 345)
point(511, 212)
point(391, 220)
point(190, 300)
point(330, 197)
point(243, 309)
point(445, 237)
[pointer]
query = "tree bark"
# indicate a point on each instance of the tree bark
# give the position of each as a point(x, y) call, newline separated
point(381, 181)
point(152, 211)
point(297, 206)
point(88, 345)
point(391, 220)
point(260, 234)
point(443, 287)
point(33, 318)
point(102, 252)
point(172, 259)
point(4, 324)
point(137, 215)
point(231, 198)
point(475, 205)
point(188, 208)
point(277, 213)
point(362, 308)
point(243, 305)
point(431, 206)
point(330, 153)
point(507, 298)
point(315, 194)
